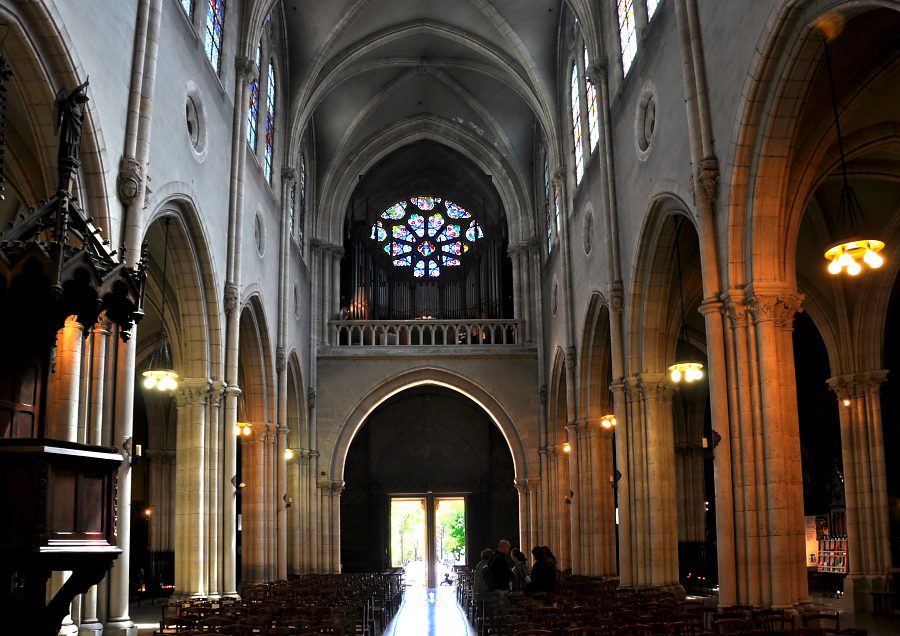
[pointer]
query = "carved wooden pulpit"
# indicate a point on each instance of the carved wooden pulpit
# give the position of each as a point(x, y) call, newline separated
point(57, 513)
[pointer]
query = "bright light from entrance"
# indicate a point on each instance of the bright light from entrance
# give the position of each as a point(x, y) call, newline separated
point(412, 523)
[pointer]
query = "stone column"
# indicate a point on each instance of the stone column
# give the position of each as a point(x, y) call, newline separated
point(650, 460)
point(118, 620)
point(253, 543)
point(782, 566)
point(865, 484)
point(228, 541)
point(601, 505)
point(281, 499)
point(572, 497)
point(65, 383)
point(190, 488)
point(215, 487)
point(526, 533)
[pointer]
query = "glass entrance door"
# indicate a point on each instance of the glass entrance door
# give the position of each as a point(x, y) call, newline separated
point(428, 537)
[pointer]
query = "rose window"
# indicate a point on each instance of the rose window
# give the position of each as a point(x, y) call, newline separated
point(426, 234)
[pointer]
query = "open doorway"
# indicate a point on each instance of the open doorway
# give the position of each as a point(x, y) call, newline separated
point(428, 538)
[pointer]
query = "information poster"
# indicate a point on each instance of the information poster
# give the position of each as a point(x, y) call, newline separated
point(812, 543)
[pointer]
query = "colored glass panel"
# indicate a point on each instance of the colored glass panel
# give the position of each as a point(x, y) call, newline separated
point(433, 270)
point(435, 223)
point(453, 248)
point(301, 215)
point(253, 111)
point(593, 117)
point(402, 233)
point(451, 262)
point(547, 202)
point(651, 8)
point(456, 212)
point(427, 248)
point(576, 125)
point(406, 261)
point(270, 123)
point(397, 249)
point(450, 232)
point(474, 232)
point(627, 32)
point(417, 223)
point(395, 212)
point(425, 203)
point(188, 6)
point(212, 43)
point(378, 232)
point(419, 269)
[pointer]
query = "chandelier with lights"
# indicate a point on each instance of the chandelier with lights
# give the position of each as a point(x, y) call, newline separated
point(856, 246)
point(160, 374)
point(687, 370)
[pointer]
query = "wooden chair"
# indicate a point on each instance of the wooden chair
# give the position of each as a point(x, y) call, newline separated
point(827, 621)
point(534, 632)
point(635, 629)
point(774, 623)
point(588, 631)
point(731, 626)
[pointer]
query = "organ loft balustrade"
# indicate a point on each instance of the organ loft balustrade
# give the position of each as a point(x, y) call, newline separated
point(425, 332)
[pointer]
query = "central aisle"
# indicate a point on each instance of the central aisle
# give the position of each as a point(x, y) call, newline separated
point(441, 616)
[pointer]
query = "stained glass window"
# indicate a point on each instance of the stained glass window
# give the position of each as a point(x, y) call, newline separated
point(270, 122)
point(576, 125)
point(292, 210)
point(215, 24)
point(456, 212)
point(651, 8)
point(395, 212)
point(188, 6)
point(556, 209)
point(593, 119)
point(425, 203)
point(547, 202)
point(301, 217)
point(627, 32)
point(253, 112)
point(423, 239)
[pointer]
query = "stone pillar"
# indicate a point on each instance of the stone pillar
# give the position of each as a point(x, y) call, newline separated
point(572, 496)
point(216, 484)
point(526, 531)
point(650, 460)
point(865, 484)
point(281, 499)
point(65, 383)
point(118, 620)
point(191, 557)
point(228, 541)
point(601, 506)
point(253, 549)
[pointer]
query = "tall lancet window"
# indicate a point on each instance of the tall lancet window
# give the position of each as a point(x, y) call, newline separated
point(547, 212)
point(301, 212)
point(651, 8)
point(627, 32)
point(270, 122)
point(576, 125)
point(188, 6)
point(593, 119)
point(215, 25)
point(253, 112)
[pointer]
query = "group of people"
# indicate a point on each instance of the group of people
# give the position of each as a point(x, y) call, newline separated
point(506, 570)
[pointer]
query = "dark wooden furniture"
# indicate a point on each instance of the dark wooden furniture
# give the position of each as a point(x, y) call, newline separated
point(57, 513)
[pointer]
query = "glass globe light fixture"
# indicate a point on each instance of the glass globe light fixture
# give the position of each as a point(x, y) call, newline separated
point(160, 374)
point(608, 421)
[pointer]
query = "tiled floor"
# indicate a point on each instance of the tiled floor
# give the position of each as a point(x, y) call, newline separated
point(433, 613)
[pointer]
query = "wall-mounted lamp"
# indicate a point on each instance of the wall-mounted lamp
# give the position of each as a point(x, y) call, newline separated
point(159, 374)
point(288, 454)
point(567, 447)
point(846, 401)
point(235, 483)
point(243, 428)
point(287, 500)
point(148, 512)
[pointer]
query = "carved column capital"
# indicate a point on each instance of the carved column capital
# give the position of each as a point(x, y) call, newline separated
point(655, 386)
point(128, 181)
point(617, 296)
point(777, 308)
point(288, 174)
point(708, 178)
point(558, 176)
point(217, 389)
point(230, 298)
point(280, 360)
point(246, 69)
point(521, 486)
point(735, 309)
point(192, 391)
point(571, 359)
point(631, 386)
point(232, 391)
point(596, 72)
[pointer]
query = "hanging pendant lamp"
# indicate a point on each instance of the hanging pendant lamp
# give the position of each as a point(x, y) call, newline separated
point(160, 374)
point(687, 370)
point(856, 244)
